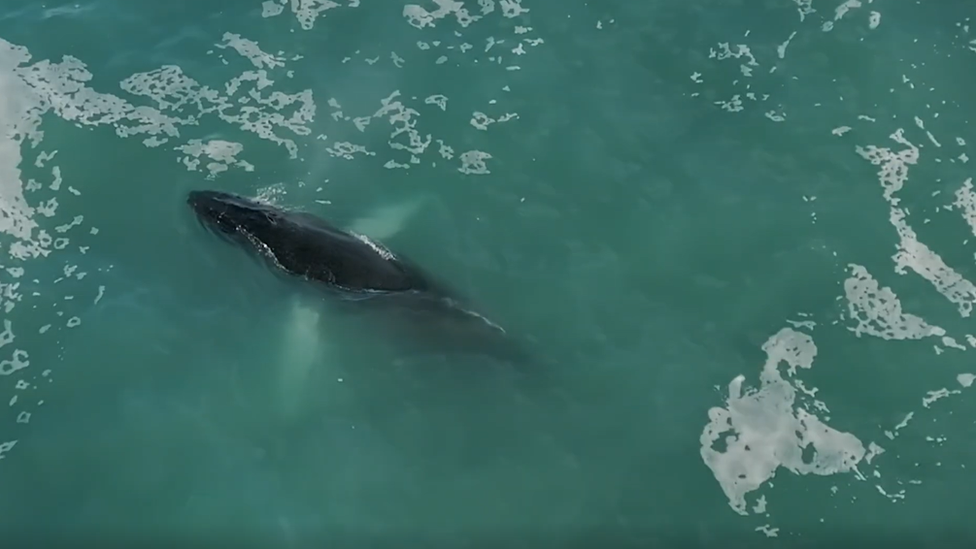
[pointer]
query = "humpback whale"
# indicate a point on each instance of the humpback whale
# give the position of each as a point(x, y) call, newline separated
point(362, 274)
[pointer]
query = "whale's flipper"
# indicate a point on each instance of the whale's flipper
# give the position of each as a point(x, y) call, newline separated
point(303, 349)
point(386, 221)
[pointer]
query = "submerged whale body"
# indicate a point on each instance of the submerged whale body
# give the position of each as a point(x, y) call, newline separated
point(353, 268)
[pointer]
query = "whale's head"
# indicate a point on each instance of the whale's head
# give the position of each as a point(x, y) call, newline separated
point(245, 221)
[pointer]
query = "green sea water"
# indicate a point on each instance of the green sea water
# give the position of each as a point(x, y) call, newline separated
point(740, 233)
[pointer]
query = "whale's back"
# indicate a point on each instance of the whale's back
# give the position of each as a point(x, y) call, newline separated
point(311, 248)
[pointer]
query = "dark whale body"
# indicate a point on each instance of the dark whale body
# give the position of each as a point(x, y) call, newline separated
point(360, 272)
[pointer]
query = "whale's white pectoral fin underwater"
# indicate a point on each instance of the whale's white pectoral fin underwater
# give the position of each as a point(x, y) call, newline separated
point(387, 221)
point(303, 347)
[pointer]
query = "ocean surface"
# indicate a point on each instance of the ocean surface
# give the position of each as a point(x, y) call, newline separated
point(739, 234)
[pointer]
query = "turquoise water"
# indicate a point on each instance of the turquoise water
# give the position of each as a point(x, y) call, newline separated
point(738, 232)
